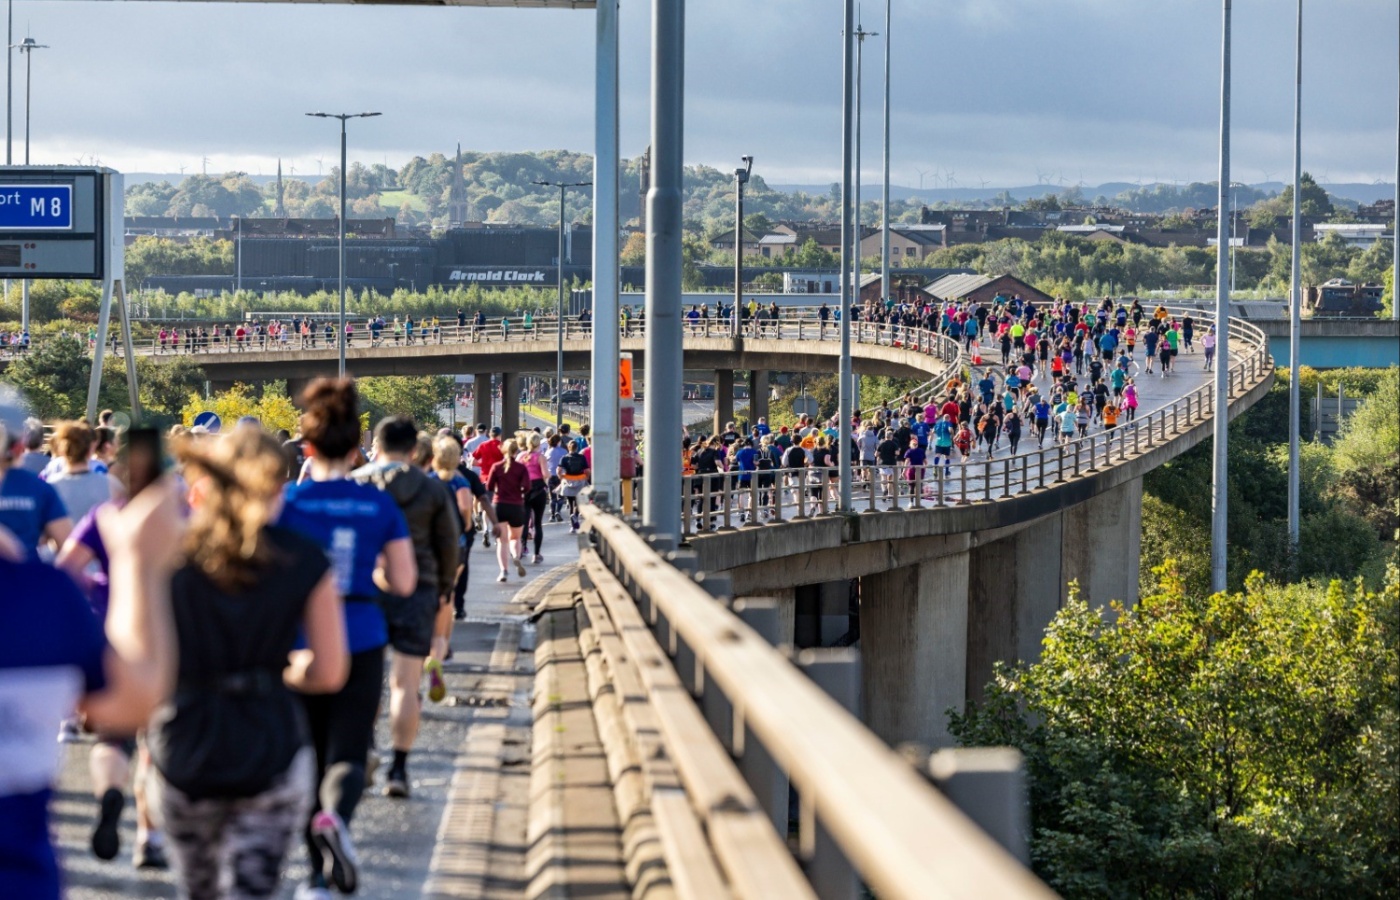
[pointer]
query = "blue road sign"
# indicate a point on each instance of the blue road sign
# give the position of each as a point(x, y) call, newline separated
point(36, 207)
point(209, 420)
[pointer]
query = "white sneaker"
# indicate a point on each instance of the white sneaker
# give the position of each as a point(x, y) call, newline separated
point(312, 892)
point(501, 577)
point(538, 559)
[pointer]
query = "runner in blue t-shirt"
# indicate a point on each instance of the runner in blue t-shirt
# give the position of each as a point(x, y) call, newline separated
point(31, 509)
point(355, 524)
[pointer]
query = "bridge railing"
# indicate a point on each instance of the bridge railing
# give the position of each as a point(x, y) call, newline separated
point(741, 719)
point(803, 323)
point(733, 499)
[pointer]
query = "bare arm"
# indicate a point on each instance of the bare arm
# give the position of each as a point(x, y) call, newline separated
point(143, 541)
point(323, 667)
point(74, 559)
point(57, 531)
point(398, 571)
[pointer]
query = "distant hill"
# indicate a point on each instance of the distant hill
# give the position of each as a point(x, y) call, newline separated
point(1356, 192)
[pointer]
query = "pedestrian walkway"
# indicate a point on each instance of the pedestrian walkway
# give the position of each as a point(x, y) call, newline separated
point(407, 848)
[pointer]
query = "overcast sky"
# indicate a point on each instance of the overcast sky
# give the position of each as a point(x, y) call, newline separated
point(1004, 91)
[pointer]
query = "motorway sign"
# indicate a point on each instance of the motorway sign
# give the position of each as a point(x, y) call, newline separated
point(805, 406)
point(61, 222)
point(36, 207)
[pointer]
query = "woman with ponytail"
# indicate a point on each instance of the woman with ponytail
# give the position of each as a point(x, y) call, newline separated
point(232, 757)
point(356, 526)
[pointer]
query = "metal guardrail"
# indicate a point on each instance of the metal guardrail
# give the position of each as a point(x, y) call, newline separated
point(799, 324)
point(718, 502)
point(741, 719)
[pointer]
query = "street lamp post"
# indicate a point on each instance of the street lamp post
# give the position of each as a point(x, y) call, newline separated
point(559, 321)
point(844, 397)
point(1220, 473)
point(885, 197)
point(27, 47)
point(343, 117)
point(1295, 304)
point(741, 178)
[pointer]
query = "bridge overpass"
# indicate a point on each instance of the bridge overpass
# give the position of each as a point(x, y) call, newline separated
point(684, 683)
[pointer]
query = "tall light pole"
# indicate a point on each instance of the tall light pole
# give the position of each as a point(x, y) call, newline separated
point(10, 85)
point(343, 117)
point(27, 47)
point(885, 197)
point(1220, 472)
point(861, 34)
point(1295, 305)
point(741, 178)
point(1395, 229)
point(844, 400)
point(661, 501)
point(559, 321)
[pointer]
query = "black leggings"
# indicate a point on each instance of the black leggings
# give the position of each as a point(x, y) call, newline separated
point(536, 502)
point(459, 588)
point(342, 728)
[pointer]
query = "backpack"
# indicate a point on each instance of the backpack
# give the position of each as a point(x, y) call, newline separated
point(765, 461)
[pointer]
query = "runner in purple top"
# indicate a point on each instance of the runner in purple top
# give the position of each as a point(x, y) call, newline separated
point(84, 558)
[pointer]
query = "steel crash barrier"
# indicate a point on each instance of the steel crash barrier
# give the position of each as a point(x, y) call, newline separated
point(730, 500)
point(725, 722)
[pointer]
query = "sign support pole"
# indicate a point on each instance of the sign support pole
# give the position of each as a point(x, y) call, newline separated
point(104, 316)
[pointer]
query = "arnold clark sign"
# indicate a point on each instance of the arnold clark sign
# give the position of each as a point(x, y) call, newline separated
point(503, 276)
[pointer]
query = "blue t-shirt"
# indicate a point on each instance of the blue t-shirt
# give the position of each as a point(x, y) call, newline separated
point(352, 523)
point(921, 430)
point(27, 506)
point(50, 657)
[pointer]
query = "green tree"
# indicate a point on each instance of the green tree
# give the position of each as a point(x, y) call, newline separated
point(417, 396)
point(1240, 744)
point(634, 252)
point(1315, 204)
point(1366, 455)
point(54, 378)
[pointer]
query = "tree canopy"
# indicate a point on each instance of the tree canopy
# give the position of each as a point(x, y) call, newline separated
point(1241, 744)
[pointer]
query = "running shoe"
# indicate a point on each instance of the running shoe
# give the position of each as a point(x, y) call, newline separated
point(313, 892)
point(397, 784)
point(538, 559)
point(333, 840)
point(106, 840)
point(68, 732)
point(501, 578)
point(149, 855)
point(519, 567)
point(437, 686)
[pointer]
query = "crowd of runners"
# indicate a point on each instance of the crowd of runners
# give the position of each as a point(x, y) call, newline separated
point(1065, 371)
point(225, 614)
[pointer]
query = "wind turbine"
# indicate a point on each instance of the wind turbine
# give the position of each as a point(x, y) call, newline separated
point(1040, 176)
point(985, 182)
point(182, 171)
point(204, 163)
point(922, 173)
point(950, 180)
point(318, 166)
